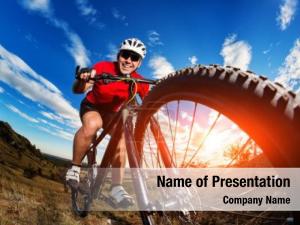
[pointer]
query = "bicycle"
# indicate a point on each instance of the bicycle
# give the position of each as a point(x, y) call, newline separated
point(252, 102)
point(86, 192)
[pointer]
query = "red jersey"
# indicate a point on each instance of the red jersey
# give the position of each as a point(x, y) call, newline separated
point(113, 94)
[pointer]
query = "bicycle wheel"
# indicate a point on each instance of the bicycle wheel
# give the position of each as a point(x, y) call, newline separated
point(265, 111)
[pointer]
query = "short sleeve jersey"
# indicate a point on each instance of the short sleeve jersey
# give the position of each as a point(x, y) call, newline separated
point(113, 94)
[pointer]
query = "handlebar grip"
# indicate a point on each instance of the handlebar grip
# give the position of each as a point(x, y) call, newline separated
point(79, 71)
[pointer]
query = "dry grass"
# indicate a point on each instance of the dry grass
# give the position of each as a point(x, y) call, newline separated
point(42, 201)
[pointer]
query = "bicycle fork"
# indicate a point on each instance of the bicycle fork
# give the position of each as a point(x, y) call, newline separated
point(136, 173)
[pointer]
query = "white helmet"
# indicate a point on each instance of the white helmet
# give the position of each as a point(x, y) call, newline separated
point(135, 45)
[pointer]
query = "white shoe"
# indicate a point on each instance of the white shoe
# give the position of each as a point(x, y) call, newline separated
point(72, 176)
point(120, 197)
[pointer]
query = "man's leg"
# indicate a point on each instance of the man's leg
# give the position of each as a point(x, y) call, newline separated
point(91, 123)
point(119, 162)
point(118, 193)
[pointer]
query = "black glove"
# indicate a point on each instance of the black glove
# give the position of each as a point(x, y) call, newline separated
point(79, 71)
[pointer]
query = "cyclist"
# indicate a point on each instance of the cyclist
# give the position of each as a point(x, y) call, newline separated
point(98, 107)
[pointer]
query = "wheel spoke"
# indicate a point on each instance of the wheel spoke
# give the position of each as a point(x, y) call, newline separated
point(175, 133)
point(169, 121)
point(190, 135)
point(204, 139)
point(154, 155)
point(150, 149)
point(174, 136)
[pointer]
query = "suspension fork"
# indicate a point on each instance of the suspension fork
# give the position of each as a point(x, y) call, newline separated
point(136, 173)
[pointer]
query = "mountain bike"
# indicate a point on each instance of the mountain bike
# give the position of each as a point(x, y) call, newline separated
point(265, 110)
point(89, 188)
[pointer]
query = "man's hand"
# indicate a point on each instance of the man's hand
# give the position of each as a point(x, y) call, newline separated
point(86, 74)
point(83, 82)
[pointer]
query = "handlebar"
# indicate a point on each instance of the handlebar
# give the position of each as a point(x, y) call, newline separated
point(110, 77)
point(106, 76)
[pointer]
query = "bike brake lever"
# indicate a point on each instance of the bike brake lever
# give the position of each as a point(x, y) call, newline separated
point(77, 72)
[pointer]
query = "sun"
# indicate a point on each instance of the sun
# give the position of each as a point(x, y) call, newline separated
point(202, 144)
point(218, 141)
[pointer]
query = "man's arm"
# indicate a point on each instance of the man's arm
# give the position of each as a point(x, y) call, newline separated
point(82, 84)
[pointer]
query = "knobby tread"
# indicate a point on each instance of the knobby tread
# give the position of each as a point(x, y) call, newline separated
point(268, 89)
point(272, 98)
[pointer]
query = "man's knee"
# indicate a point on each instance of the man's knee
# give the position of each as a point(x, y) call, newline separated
point(90, 129)
point(91, 124)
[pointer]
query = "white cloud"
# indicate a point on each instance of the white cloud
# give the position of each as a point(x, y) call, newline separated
point(19, 66)
point(74, 123)
point(76, 47)
point(289, 72)
point(58, 133)
point(86, 9)
point(89, 12)
point(42, 6)
point(236, 53)
point(18, 75)
point(154, 38)
point(23, 115)
point(212, 116)
point(77, 50)
point(193, 60)
point(185, 115)
point(20, 101)
point(41, 106)
point(269, 49)
point(30, 38)
point(2, 90)
point(287, 12)
point(49, 124)
point(117, 15)
point(161, 67)
point(113, 51)
point(52, 116)
point(66, 135)
point(54, 129)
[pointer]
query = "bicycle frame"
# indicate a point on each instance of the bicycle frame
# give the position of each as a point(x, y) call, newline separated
point(123, 119)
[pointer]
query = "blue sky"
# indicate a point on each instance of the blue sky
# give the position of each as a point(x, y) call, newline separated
point(41, 42)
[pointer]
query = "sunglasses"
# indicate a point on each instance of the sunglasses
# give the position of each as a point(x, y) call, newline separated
point(128, 54)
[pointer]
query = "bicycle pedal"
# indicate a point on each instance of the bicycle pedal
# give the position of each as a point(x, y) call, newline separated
point(125, 203)
point(109, 201)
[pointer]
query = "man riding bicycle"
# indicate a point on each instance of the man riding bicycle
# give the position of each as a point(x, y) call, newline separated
point(100, 105)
